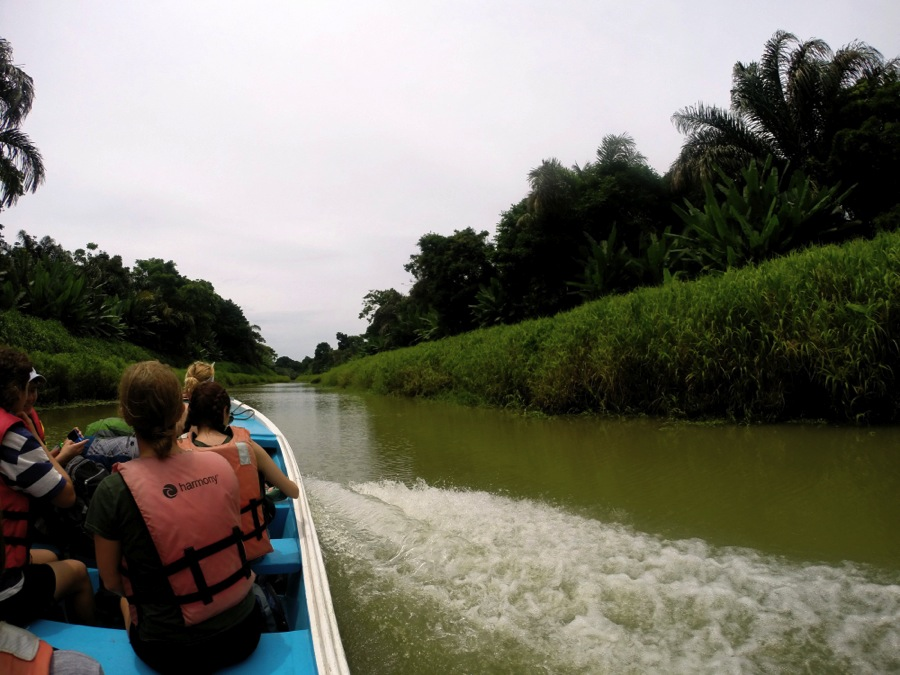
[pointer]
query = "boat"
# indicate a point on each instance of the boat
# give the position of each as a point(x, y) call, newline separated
point(311, 645)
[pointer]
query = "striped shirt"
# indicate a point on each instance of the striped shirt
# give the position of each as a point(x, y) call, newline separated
point(25, 468)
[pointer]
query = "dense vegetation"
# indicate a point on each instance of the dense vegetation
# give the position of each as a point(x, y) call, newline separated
point(89, 368)
point(150, 305)
point(807, 154)
point(810, 334)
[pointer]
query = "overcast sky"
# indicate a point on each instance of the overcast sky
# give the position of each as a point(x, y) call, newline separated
point(292, 153)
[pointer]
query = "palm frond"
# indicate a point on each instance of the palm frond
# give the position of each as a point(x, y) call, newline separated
point(16, 89)
point(17, 150)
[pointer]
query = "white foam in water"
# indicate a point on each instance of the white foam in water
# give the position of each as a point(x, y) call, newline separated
point(580, 595)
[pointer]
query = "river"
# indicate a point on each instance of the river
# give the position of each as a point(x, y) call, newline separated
point(478, 541)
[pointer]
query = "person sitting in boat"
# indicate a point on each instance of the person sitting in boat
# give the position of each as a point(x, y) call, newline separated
point(24, 652)
point(35, 379)
point(197, 373)
point(209, 414)
point(33, 581)
point(167, 537)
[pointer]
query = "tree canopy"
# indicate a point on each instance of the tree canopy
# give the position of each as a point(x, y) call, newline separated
point(785, 105)
point(151, 305)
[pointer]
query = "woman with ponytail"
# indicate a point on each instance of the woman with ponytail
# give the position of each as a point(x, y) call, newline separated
point(167, 536)
point(209, 414)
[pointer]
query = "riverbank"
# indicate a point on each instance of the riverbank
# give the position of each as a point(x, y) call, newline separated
point(807, 336)
point(82, 370)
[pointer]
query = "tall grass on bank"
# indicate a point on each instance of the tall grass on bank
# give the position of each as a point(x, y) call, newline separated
point(810, 335)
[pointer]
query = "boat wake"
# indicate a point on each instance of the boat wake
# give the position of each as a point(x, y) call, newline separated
point(475, 582)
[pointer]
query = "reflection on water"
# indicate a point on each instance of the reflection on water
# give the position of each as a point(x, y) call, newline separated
point(472, 541)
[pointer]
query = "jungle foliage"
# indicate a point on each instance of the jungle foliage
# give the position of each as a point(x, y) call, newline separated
point(151, 305)
point(83, 368)
point(807, 154)
point(811, 334)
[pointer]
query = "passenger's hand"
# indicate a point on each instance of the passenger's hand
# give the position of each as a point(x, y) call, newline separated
point(69, 449)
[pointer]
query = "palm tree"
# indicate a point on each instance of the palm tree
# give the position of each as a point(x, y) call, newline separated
point(619, 149)
point(552, 186)
point(781, 106)
point(21, 165)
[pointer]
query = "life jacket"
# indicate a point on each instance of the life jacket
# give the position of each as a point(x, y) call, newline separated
point(189, 503)
point(243, 460)
point(22, 653)
point(15, 506)
point(38, 425)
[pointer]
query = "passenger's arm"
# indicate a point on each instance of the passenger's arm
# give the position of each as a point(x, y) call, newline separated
point(273, 475)
point(109, 556)
point(65, 497)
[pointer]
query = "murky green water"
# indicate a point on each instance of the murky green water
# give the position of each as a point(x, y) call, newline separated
point(465, 541)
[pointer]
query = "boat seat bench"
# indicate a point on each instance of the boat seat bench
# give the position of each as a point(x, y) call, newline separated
point(284, 559)
point(289, 652)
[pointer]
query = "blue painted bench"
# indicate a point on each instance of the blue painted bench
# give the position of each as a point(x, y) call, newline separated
point(289, 652)
point(284, 559)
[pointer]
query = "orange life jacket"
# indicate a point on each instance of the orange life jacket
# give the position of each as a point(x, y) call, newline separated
point(189, 503)
point(22, 653)
point(243, 460)
point(15, 506)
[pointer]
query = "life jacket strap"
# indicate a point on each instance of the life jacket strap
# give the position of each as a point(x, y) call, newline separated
point(257, 511)
point(191, 560)
point(12, 539)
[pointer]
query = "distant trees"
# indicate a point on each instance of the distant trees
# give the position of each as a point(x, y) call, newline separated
point(151, 305)
point(449, 271)
point(21, 165)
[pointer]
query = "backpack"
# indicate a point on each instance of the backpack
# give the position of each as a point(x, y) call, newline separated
point(271, 607)
point(64, 528)
point(86, 475)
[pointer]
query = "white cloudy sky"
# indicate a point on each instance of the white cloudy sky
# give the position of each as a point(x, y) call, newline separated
point(293, 152)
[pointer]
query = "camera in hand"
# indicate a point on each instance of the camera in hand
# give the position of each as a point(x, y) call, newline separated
point(75, 436)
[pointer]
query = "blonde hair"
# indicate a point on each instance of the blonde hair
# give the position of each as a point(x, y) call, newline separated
point(197, 372)
point(150, 401)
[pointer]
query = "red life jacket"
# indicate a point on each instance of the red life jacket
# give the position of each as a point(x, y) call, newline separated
point(189, 503)
point(22, 653)
point(38, 425)
point(15, 506)
point(243, 460)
